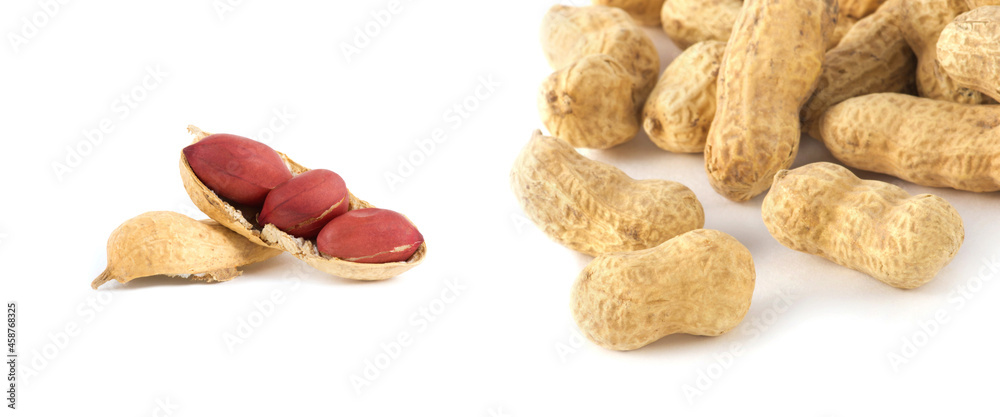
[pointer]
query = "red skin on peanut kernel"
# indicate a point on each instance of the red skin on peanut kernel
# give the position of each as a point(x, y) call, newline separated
point(237, 168)
point(370, 235)
point(304, 204)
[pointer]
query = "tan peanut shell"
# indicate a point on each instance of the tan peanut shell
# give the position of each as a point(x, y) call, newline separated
point(869, 226)
point(859, 8)
point(699, 283)
point(570, 33)
point(645, 12)
point(922, 23)
point(688, 22)
point(606, 67)
point(681, 108)
point(593, 207)
point(590, 103)
point(270, 236)
point(872, 58)
point(969, 50)
point(771, 65)
point(168, 243)
point(924, 141)
point(850, 12)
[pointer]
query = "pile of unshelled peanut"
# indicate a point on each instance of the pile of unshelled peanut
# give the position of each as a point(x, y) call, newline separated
point(899, 87)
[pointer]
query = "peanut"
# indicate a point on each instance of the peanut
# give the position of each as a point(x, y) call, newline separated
point(688, 22)
point(272, 237)
point(594, 208)
point(924, 141)
point(859, 8)
point(570, 102)
point(304, 204)
point(872, 58)
point(370, 235)
point(681, 108)
point(645, 12)
point(869, 226)
point(590, 103)
point(699, 283)
point(167, 243)
point(848, 15)
point(770, 68)
point(922, 23)
point(969, 50)
point(237, 168)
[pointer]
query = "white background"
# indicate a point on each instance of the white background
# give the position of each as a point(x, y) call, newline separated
point(818, 338)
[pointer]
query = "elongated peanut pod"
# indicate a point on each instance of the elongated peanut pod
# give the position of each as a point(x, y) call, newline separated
point(924, 141)
point(593, 207)
point(699, 283)
point(869, 226)
point(681, 108)
point(969, 50)
point(771, 65)
point(168, 243)
point(872, 58)
point(242, 221)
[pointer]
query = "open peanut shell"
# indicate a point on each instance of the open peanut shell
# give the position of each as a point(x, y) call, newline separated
point(172, 244)
point(242, 220)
